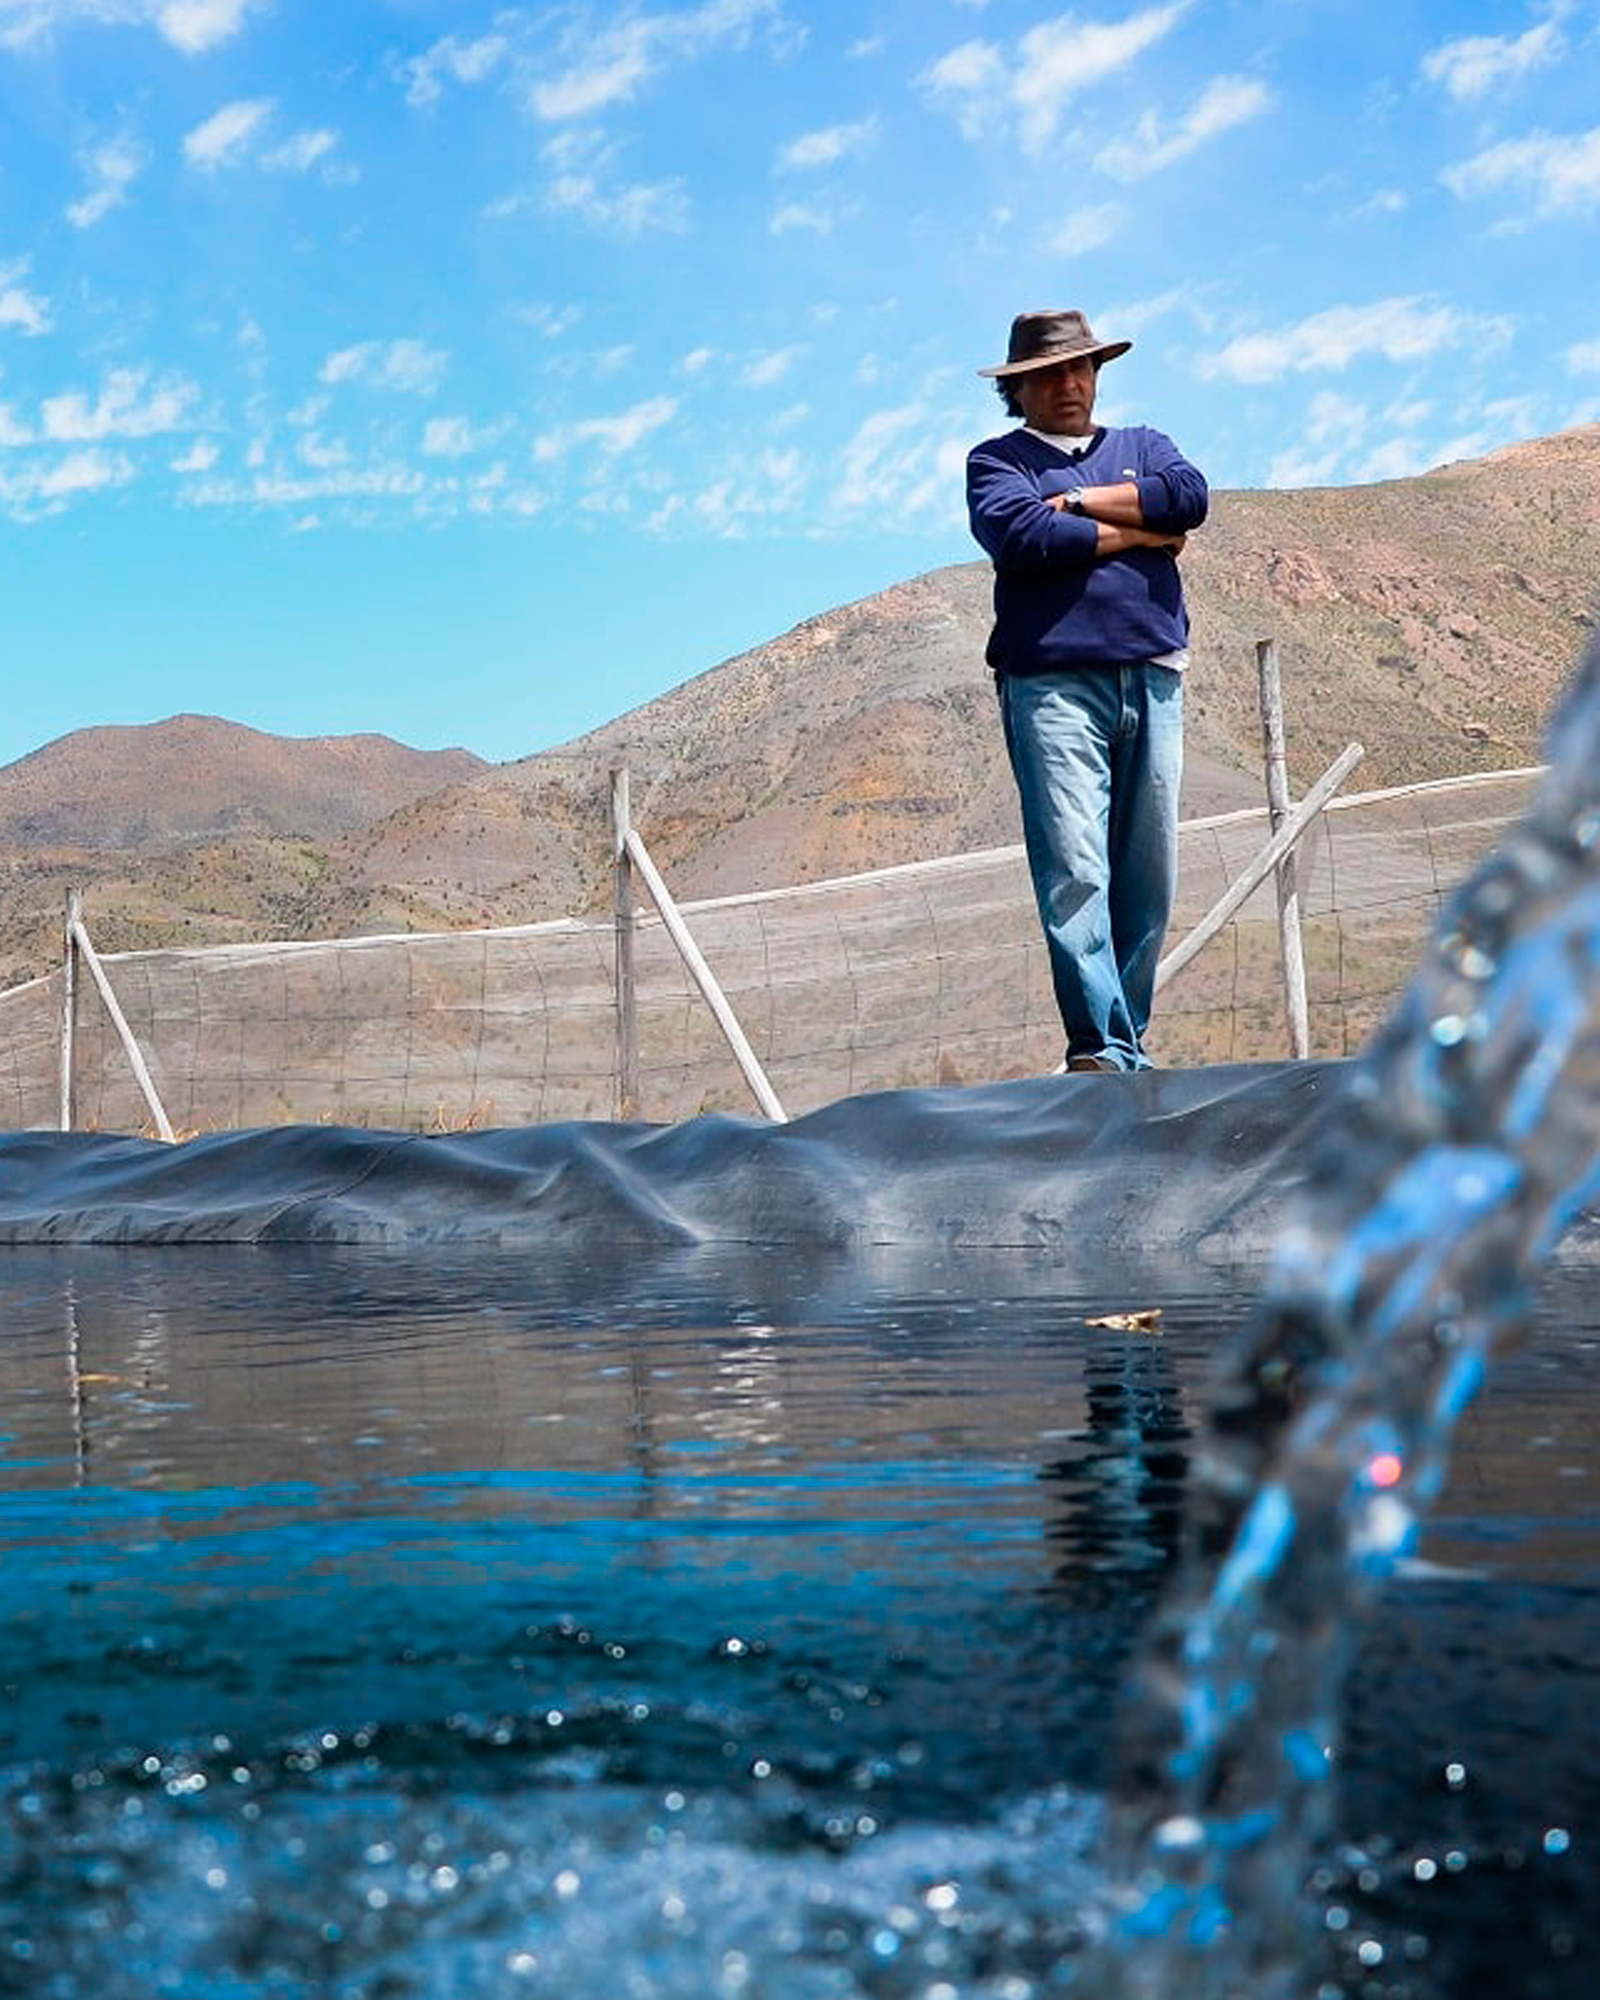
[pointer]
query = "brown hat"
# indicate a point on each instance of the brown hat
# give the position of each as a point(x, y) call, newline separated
point(1041, 339)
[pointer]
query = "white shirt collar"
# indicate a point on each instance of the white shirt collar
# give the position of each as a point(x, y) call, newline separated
point(1061, 443)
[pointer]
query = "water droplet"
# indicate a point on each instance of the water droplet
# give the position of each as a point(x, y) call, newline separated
point(1557, 1840)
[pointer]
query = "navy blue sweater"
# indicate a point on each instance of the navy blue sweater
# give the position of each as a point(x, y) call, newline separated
point(1055, 605)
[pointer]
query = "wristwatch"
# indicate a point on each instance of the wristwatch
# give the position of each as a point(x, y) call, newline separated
point(1074, 499)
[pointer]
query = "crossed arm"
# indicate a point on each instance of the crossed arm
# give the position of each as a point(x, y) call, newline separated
point(1119, 520)
point(1021, 528)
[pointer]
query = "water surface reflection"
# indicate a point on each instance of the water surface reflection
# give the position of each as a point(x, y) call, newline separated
point(377, 1626)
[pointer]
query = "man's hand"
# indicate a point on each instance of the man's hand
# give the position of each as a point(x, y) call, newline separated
point(1114, 541)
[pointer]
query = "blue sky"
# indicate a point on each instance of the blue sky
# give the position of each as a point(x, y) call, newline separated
point(474, 372)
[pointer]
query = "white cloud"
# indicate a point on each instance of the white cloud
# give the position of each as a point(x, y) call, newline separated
point(903, 461)
point(1559, 175)
point(455, 437)
point(727, 508)
point(1053, 63)
point(1225, 102)
point(1347, 440)
point(792, 215)
point(767, 369)
point(767, 489)
point(14, 432)
point(194, 25)
point(1583, 358)
point(299, 154)
point(1086, 228)
point(409, 366)
point(609, 434)
point(221, 140)
point(829, 145)
point(1127, 318)
point(128, 406)
point(610, 63)
point(293, 489)
point(1396, 329)
point(967, 80)
point(20, 308)
point(697, 360)
point(46, 488)
point(322, 454)
point(1472, 66)
point(582, 184)
point(200, 457)
point(191, 25)
point(1335, 425)
point(111, 167)
point(549, 320)
point(452, 58)
point(1398, 458)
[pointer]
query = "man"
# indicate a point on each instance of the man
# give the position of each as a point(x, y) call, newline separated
point(1084, 525)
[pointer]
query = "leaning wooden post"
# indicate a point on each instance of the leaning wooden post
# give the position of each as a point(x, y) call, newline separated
point(1291, 949)
point(1250, 878)
point(119, 1021)
point(624, 923)
point(705, 979)
point(69, 1002)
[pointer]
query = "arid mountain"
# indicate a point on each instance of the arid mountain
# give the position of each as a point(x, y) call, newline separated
point(147, 785)
point(1432, 618)
point(189, 830)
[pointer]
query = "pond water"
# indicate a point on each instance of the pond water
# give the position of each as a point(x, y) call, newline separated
point(482, 1625)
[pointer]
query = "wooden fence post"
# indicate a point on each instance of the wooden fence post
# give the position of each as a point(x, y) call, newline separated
point(69, 1002)
point(627, 1096)
point(1290, 946)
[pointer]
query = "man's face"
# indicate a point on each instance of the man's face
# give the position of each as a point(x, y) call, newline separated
point(1060, 398)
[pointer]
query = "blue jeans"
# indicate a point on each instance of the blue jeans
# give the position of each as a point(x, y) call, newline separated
point(1098, 755)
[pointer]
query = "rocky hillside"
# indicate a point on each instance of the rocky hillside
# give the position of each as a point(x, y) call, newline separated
point(1431, 618)
point(188, 830)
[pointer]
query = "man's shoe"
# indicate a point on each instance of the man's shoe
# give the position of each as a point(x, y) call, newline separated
point(1104, 1064)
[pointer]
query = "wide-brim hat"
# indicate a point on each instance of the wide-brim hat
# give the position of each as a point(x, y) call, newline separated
point(1041, 339)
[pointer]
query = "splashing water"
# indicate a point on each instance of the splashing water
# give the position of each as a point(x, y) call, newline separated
point(1470, 1142)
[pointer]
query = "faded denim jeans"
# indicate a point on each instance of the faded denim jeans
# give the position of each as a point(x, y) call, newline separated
point(1098, 755)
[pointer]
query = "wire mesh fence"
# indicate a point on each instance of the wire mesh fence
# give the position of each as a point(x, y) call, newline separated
point(927, 974)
